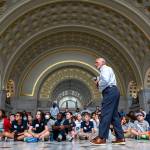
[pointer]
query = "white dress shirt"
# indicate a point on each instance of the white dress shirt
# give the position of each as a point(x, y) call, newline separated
point(106, 77)
point(54, 111)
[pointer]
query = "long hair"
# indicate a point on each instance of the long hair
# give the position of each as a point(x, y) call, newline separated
point(3, 113)
point(41, 114)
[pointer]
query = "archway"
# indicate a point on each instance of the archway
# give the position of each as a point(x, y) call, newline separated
point(72, 91)
point(64, 27)
point(70, 102)
point(73, 81)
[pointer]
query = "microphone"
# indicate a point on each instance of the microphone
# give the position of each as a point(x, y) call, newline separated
point(94, 78)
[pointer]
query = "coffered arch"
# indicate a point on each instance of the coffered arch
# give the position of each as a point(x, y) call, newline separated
point(97, 26)
point(96, 45)
point(76, 78)
point(31, 82)
point(121, 7)
point(93, 44)
point(94, 14)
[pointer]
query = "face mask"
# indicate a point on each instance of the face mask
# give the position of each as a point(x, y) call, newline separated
point(47, 116)
point(24, 118)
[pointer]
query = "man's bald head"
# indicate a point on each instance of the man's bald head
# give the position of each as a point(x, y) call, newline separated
point(100, 62)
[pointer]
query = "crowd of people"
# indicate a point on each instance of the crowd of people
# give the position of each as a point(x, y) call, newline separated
point(68, 126)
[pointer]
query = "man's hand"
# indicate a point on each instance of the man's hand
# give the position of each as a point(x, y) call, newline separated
point(97, 83)
point(62, 127)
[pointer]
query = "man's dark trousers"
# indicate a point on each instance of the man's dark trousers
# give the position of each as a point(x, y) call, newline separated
point(109, 113)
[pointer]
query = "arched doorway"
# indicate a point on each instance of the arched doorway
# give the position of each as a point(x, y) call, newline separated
point(73, 93)
point(70, 102)
point(71, 86)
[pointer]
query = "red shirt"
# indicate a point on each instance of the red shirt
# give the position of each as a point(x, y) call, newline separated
point(7, 125)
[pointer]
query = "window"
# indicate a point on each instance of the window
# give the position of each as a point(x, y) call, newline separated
point(69, 102)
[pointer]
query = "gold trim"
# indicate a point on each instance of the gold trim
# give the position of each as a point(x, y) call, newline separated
point(43, 56)
point(95, 2)
point(50, 67)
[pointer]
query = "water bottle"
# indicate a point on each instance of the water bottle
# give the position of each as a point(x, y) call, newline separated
point(31, 139)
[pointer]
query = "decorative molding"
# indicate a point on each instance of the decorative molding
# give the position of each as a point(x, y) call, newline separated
point(75, 74)
point(93, 14)
point(50, 67)
point(75, 13)
point(77, 40)
point(2, 7)
point(147, 79)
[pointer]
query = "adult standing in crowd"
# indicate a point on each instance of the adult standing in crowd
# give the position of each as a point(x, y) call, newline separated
point(54, 110)
point(109, 112)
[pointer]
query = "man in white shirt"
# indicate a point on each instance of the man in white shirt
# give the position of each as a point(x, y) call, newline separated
point(54, 110)
point(106, 82)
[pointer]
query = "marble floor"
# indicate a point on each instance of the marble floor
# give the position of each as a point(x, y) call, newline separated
point(75, 145)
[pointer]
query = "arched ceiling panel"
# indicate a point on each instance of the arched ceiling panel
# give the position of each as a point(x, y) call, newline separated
point(75, 13)
point(100, 16)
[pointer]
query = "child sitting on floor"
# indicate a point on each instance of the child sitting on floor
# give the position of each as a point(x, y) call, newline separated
point(39, 128)
point(87, 128)
point(141, 127)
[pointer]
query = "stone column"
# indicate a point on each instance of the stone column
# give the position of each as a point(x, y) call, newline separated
point(2, 98)
point(144, 99)
point(123, 104)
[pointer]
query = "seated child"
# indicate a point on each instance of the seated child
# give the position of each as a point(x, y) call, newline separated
point(50, 123)
point(58, 133)
point(69, 126)
point(78, 124)
point(87, 128)
point(39, 128)
point(95, 119)
point(18, 128)
point(141, 126)
point(126, 126)
point(4, 124)
point(64, 129)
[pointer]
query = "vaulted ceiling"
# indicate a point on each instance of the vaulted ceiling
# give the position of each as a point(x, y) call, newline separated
point(115, 30)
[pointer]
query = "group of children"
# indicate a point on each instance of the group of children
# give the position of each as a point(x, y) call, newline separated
point(135, 126)
point(18, 129)
point(44, 127)
point(66, 126)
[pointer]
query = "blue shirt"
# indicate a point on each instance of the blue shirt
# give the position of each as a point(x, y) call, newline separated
point(106, 77)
